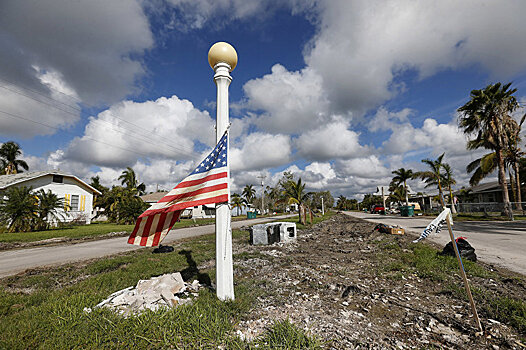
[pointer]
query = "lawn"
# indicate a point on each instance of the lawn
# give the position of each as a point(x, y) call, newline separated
point(44, 309)
point(86, 231)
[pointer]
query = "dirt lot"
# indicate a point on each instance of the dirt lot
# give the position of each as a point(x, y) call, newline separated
point(356, 288)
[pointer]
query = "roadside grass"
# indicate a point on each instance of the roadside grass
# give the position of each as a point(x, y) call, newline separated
point(315, 219)
point(423, 260)
point(43, 308)
point(481, 217)
point(86, 231)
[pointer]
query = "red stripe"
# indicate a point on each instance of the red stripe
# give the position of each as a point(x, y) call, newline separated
point(134, 232)
point(217, 199)
point(146, 231)
point(193, 193)
point(200, 181)
point(159, 229)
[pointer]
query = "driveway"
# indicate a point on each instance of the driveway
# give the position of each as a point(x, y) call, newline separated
point(502, 243)
point(15, 261)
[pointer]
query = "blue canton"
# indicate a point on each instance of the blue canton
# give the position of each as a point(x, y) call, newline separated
point(216, 159)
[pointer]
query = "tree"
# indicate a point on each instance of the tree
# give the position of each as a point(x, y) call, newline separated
point(449, 181)
point(401, 177)
point(432, 177)
point(49, 209)
point(249, 193)
point(295, 193)
point(237, 202)
point(19, 209)
point(487, 116)
point(129, 179)
point(9, 152)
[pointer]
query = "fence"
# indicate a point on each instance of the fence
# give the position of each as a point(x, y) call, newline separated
point(490, 208)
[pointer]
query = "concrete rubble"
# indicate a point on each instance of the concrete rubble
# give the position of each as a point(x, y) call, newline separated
point(274, 232)
point(163, 291)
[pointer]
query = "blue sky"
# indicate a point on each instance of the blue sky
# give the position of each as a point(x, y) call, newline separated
point(339, 92)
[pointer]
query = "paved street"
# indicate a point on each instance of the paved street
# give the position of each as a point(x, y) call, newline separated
point(15, 261)
point(500, 243)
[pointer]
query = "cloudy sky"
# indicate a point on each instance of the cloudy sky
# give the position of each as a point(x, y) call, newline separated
point(339, 92)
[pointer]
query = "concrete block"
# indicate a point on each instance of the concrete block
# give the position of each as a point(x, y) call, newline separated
point(274, 232)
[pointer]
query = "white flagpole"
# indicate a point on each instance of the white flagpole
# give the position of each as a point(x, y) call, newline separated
point(223, 59)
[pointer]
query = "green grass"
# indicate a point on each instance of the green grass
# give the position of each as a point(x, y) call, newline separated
point(315, 219)
point(424, 261)
point(44, 309)
point(85, 231)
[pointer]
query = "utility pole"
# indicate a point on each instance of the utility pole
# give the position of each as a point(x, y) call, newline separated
point(262, 177)
point(223, 59)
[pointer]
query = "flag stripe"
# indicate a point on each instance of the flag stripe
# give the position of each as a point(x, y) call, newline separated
point(146, 231)
point(177, 198)
point(209, 197)
point(200, 181)
point(161, 228)
point(177, 191)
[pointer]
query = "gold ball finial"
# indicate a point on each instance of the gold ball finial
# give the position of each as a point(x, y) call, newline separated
point(222, 52)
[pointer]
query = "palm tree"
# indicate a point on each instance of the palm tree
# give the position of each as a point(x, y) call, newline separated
point(402, 175)
point(295, 193)
point(449, 181)
point(237, 202)
point(129, 179)
point(481, 168)
point(487, 115)
point(19, 209)
point(249, 193)
point(48, 208)
point(9, 153)
point(432, 177)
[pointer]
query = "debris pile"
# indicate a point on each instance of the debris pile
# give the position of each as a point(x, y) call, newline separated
point(163, 291)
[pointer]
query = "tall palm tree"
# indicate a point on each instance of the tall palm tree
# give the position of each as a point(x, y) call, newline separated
point(449, 181)
point(129, 179)
point(432, 177)
point(481, 168)
point(249, 193)
point(295, 192)
point(401, 176)
point(9, 152)
point(487, 116)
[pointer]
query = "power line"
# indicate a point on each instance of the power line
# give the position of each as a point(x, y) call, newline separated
point(180, 149)
point(91, 138)
point(49, 87)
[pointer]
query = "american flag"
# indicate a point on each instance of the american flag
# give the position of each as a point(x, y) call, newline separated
point(207, 184)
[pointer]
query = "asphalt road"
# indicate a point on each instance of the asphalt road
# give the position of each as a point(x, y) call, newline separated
point(16, 261)
point(501, 243)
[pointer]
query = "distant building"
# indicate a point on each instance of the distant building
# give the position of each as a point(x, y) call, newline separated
point(77, 194)
point(196, 212)
point(489, 192)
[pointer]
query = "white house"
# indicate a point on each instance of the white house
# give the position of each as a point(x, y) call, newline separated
point(77, 194)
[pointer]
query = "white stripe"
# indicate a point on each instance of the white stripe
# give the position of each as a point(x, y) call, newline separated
point(189, 199)
point(166, 226)
point(153, 228)
point(182, 190)
point(139, 231)
point(205, 174)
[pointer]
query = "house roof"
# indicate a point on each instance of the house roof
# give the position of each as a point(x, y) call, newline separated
point(15, 179)
point(491, 186)
point(153, 197)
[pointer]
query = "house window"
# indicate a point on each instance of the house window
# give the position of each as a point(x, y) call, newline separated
point(58, 179)
point(74, 202)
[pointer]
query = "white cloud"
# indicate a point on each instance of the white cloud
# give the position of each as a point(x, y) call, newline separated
point(362, 46)
point(292, 101)
point(330, 141)
point(260, 151)
point(366, 167)
point(127, 131)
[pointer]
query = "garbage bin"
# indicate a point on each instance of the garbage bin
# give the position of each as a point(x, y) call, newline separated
point(407, 210)
point(251, 214)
